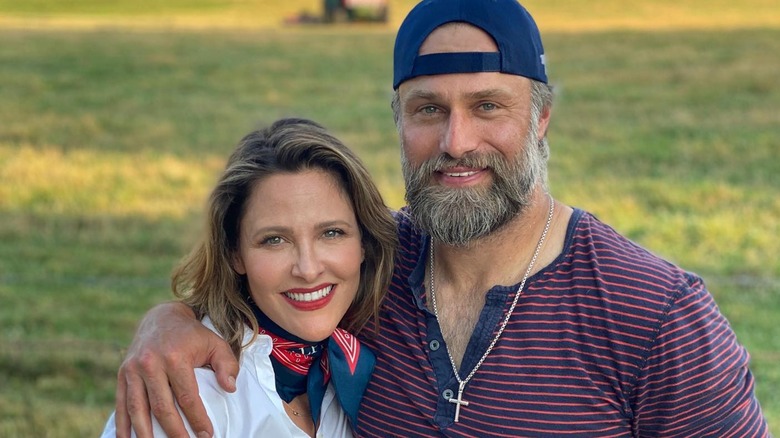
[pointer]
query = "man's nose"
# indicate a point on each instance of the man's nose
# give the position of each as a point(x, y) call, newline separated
point(460, 136)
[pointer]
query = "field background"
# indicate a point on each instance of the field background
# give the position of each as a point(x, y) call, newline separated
point(116, 117)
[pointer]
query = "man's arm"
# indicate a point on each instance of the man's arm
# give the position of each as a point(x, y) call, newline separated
point(169, 344)
point(696, 380)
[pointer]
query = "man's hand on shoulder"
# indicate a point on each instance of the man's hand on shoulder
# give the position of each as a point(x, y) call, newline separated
point(169, 344)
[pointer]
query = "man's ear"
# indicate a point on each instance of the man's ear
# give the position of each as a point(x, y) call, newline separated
point(544, 122)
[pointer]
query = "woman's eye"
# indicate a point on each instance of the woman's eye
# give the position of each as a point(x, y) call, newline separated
point(273, 240)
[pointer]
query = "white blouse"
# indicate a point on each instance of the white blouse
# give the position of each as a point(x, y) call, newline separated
point(255, 409)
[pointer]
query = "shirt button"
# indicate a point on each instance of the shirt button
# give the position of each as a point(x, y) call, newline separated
point(434, 344)
point(447, 394)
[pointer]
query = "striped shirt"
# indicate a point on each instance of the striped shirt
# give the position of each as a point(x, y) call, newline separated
point(606, 341)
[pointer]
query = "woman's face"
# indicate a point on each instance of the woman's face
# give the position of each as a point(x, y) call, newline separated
point(300, 248)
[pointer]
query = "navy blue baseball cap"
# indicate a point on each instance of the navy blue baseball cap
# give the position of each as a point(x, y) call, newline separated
point(514, 31)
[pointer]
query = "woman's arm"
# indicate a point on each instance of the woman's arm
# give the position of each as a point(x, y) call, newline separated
point(169, 344)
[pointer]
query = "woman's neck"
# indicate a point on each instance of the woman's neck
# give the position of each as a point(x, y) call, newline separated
point(299, 412)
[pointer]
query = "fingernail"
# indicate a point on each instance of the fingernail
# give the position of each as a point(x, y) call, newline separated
point(204, 435)
point(232, 381)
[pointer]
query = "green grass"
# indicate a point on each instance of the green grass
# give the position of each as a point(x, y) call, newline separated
point(110, 139)
point(552, 15)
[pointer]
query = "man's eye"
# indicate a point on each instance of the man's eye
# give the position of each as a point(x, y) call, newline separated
point(333, 233)
point(488, 106)
point(429, 109)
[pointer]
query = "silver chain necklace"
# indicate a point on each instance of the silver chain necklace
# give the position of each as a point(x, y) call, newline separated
point(462, 382)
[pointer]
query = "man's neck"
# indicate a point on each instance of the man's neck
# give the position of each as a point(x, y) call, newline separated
point(501, 257)
point(463, 275)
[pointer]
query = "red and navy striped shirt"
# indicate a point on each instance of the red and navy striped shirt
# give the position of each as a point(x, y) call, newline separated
point(606, 341)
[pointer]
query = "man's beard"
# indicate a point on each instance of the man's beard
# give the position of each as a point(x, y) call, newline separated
point(457, 216)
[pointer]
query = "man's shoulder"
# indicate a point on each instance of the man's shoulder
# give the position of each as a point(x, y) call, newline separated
point(410, 237)
point(404, 220)
point(589, 230)
point(593, 243)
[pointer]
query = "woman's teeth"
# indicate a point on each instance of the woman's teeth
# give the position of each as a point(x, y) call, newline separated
point(310, 296)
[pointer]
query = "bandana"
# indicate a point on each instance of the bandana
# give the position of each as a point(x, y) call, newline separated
point(301, 366)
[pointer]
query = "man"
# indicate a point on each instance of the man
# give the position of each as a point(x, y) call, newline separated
point(509, 314)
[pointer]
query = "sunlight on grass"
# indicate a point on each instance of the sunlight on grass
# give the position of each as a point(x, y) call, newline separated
point(705, 226)
point(578, 16)
point(552, 16)
point(85, 182)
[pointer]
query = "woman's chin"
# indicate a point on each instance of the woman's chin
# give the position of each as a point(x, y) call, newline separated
point(315, 334)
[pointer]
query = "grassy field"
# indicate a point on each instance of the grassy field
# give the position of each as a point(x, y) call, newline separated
point(114, 122)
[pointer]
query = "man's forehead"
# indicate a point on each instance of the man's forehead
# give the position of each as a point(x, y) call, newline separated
point(457, 37)
point(468, 86)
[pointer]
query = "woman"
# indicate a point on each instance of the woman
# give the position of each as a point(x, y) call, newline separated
point(298, 253)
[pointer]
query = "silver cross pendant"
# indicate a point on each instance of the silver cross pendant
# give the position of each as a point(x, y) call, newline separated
point(459, 401)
